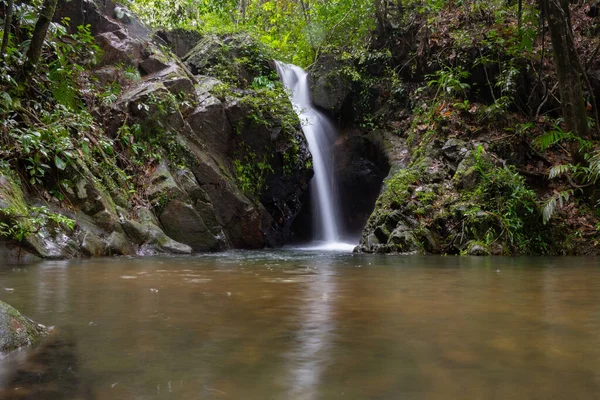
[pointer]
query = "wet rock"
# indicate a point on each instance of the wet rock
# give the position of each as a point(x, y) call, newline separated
point(224, 52)
point(455, 149)
point(163, 186)
point(16, 330)
point(148, 234)
point(329, 86)
point(118, 244)
point(11, 253)
point(403, 240)
point(153, 64)
point(360, 167)
point(92, 245)
point(477, 249)
point(465, 176)
point(210, 124)
point(119, 48)
point(181, 41)
point(183, 223)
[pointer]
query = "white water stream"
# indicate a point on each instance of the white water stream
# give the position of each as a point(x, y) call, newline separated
point(320, 135)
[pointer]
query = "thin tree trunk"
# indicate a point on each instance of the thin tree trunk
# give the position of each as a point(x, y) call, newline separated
point(39, 35)
point(305, 9)
point(567, 66)
point(7, 23)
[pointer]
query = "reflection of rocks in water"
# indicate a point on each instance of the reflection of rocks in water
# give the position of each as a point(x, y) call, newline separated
point(49, 371)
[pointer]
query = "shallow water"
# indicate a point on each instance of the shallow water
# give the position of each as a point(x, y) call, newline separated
point(316, 325)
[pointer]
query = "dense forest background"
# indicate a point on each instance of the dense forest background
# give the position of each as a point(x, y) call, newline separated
point(494, 102)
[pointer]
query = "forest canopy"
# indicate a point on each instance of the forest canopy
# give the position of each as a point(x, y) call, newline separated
point(295, 29)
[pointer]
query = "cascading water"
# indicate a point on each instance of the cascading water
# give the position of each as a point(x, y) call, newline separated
point(320, 134)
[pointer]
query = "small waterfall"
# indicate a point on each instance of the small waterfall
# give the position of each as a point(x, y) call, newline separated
point(320, 135)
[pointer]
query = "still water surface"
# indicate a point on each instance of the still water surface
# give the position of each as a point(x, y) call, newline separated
point(312, 325)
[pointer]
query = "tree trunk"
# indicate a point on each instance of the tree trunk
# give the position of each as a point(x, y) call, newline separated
point(568, 67)
point(8, 12)
point(39, 35)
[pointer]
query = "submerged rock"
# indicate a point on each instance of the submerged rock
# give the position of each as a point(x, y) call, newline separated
point(16, 330)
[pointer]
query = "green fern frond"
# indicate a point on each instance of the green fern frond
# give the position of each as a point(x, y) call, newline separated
point(551, 138)
point(558, 170)
point(594, 167)
point(557, 201)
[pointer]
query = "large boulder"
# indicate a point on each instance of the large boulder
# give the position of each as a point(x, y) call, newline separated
point(16, 330)
point(329, 86)
point(236, 58)
point(181, 41)
point(184, 224)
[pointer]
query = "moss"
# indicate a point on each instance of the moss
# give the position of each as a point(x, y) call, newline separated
point(16, 330)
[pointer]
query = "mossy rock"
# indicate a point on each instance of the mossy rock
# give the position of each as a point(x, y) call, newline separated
point(16, 330)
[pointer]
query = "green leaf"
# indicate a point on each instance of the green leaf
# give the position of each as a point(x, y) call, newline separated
point(60, 164)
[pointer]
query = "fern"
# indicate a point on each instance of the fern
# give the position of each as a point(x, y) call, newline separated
point(558, 170)
point(551, 138)
point(593, 170)
point(557, 201)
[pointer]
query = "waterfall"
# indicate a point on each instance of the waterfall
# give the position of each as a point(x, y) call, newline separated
point(320, 134)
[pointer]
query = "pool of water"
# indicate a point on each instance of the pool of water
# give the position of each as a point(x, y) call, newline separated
point(290, 324)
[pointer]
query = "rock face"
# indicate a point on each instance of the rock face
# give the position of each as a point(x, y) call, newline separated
point(330, 87)
point(16, 330)
point(230, 170)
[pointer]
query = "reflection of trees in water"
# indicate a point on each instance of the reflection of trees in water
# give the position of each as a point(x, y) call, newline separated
point(50, 371)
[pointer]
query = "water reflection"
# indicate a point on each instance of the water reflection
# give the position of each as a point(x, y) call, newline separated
point(310, 325)
point(310, 356)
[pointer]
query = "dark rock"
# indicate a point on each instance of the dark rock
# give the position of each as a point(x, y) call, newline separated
point(183, 223)
point(11, 253)
point(148, 234)
point(179, 84)
point(224, 52)
point(477, 249)
point(153, 64)
point(119, 48)
point(180, 41)
point(92, 245)
point(16, 330)
point(466, 176)
point(329, 86)
point(455, 149)
point(403, 240)
point(360, 167)
point(210, 124)
point(117, 244)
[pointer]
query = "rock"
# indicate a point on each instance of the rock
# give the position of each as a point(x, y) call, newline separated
point(455, 149)
point(210, 124)
point(360, 167)
point(92, 245)
point(238, 54)
point(137, 232)
point(11, 253)
point(150, 236)
point(178, 85)
point(117, 244)
point(16, 330)
point(466, 177)
point(180, 41)
point(168, 245)
point(119, 48)
point(153, 64)
point(183, 223)
point(403, 240)
point(85, 12)
point(477, 249)
point(329, 87)
point(163, 186)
